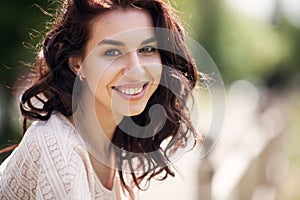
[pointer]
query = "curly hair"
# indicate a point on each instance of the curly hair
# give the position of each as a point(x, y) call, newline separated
point(54, 83)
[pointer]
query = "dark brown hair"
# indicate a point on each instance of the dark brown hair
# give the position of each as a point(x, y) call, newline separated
point(55, 80)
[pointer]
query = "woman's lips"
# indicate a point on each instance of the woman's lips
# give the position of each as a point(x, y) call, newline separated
point(131, 91)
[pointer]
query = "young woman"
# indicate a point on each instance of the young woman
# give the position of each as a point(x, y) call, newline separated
point(108, 105)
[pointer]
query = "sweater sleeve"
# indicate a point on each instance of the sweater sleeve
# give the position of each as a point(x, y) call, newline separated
point(48, 164)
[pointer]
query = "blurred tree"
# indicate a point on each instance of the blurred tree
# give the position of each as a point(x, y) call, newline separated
point(242, 47)
point(19, 22)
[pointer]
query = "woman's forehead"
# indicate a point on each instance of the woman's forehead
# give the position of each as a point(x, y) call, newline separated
point(130, 25)
point(120, 20)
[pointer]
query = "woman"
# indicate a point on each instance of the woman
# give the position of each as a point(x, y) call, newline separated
point(108, 103)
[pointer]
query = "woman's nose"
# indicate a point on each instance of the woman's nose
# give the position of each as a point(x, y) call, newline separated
point(133, 66)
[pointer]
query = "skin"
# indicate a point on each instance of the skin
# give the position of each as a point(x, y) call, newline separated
point(122, 68)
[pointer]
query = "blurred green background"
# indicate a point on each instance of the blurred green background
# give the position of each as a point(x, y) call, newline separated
point(255, 41)
point(21, 26)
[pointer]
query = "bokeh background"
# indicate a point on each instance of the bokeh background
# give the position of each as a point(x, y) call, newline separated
point(256, 47)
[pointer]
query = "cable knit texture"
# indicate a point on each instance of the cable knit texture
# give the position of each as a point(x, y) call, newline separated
point(52, 162)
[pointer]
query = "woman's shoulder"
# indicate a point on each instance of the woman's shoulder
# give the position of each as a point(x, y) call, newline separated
point(56, 130)
point(52, 139)
point(50, 160)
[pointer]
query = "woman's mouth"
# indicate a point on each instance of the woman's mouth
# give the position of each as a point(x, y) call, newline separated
point(131, 91)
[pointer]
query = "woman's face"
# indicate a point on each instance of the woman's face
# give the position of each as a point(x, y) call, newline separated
point(122, 66)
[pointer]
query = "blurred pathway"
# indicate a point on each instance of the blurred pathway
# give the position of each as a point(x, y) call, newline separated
point(244, 164)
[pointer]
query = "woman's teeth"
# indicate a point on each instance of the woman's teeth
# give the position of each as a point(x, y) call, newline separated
point(130, 91)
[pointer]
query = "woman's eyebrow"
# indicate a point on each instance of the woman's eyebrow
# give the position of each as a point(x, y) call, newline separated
point(119, 43)
point(111, 42)
point(150, 40)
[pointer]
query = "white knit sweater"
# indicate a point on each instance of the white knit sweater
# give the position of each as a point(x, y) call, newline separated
point(52, 162)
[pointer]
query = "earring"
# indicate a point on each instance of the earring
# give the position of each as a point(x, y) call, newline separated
point(80, 77)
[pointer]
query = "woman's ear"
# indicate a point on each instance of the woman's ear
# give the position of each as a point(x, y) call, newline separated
point(75, 64)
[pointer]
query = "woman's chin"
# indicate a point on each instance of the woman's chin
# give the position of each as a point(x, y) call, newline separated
point(131, 111)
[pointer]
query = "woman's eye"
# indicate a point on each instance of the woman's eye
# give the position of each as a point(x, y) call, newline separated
point(148, 50)
point(112, 52)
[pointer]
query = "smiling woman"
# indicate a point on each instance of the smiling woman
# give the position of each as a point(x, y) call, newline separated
point(97, 132)
point(125, 64)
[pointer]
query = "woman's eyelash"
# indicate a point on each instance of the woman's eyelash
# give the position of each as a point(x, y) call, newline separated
point(112, 52)
point(147, 49)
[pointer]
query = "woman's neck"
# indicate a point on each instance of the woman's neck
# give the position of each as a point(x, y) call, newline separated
point(95, 125)
point(107, 121)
